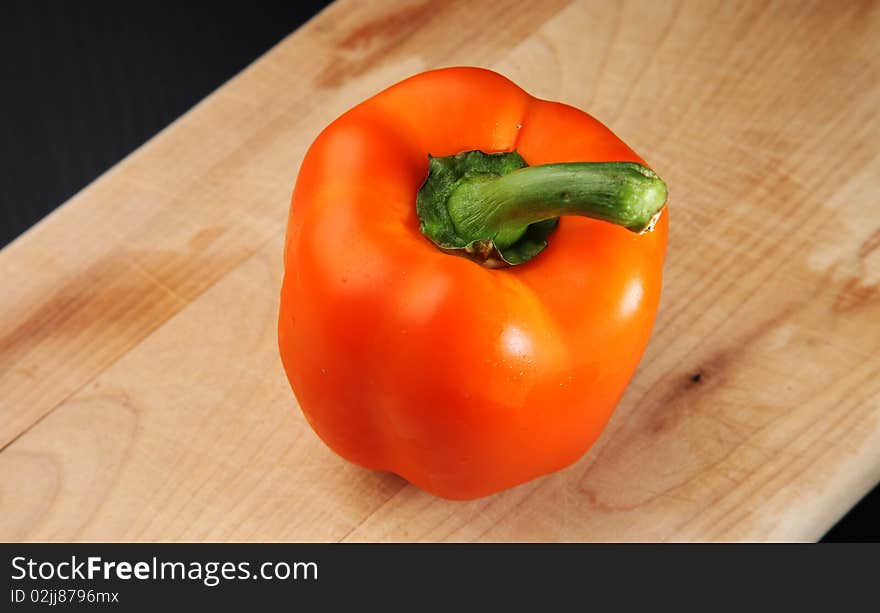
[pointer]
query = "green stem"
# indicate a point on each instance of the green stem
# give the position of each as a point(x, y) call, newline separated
point(492, 205)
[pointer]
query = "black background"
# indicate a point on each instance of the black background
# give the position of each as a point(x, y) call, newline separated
point(85, 83)
point(493, 577)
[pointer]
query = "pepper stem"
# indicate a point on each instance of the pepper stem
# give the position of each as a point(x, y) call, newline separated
point(498, 204)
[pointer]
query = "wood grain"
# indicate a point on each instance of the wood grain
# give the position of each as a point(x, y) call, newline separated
point(141, 396)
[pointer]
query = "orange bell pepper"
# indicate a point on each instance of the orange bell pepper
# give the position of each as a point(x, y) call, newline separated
point(423, 327)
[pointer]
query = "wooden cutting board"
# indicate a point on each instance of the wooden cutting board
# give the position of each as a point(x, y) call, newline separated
point(142, 397)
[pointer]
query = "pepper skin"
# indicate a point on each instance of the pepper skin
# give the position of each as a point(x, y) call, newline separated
point(464, 380)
